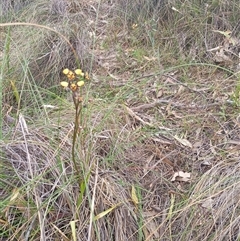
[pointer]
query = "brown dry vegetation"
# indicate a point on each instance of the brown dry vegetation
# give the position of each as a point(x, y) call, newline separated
point(163, 98)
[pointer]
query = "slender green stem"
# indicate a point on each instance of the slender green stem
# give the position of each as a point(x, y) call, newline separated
point(77, 126)
point(75, 133)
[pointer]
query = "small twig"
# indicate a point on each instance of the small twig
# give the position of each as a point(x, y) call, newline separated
point(181, 106)
point(134, 115)
point(185, 85)
point(159, 161)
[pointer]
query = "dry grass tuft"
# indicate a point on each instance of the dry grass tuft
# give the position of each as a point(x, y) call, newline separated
point(46, 183)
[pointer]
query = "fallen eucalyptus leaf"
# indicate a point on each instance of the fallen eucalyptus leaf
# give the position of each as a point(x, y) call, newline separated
point(181, 176)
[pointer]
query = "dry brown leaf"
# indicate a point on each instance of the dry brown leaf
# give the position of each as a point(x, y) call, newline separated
point(212, 148)
point(184, 142)
point(221, 57)
point(63, 236)
point(3, 222)
point(174, 113)
point(180, 90)
point(169, 109)
point(150, 226)
point(146, 166)
point(197, 144)
point(134, 115)
point(104, 213)
point(206, 163)
point(149, 59)
point(169, 81)
point(134, 196)
point(228, 37)
point(181, 176)
point(208, 203)
point(18, 200)
point(160, 93)
point(227, 33)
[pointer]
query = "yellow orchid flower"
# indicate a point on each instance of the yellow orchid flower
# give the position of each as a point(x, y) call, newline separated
point(78, 72)
point(73, 87)
point(70, 75)
point(64, 84)
point(80, 83)
point(66, 71)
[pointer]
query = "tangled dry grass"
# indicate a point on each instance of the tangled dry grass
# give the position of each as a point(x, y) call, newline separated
point(157, 104)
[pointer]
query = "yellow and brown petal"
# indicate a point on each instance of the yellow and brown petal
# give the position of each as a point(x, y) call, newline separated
point(80, 83)
point(64, 84)
point(86, 76)
point(78, 72)
point(66, 71)
point(70, 75)
point(73, 87)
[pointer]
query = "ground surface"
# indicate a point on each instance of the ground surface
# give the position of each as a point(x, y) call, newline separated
point(157, 154)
